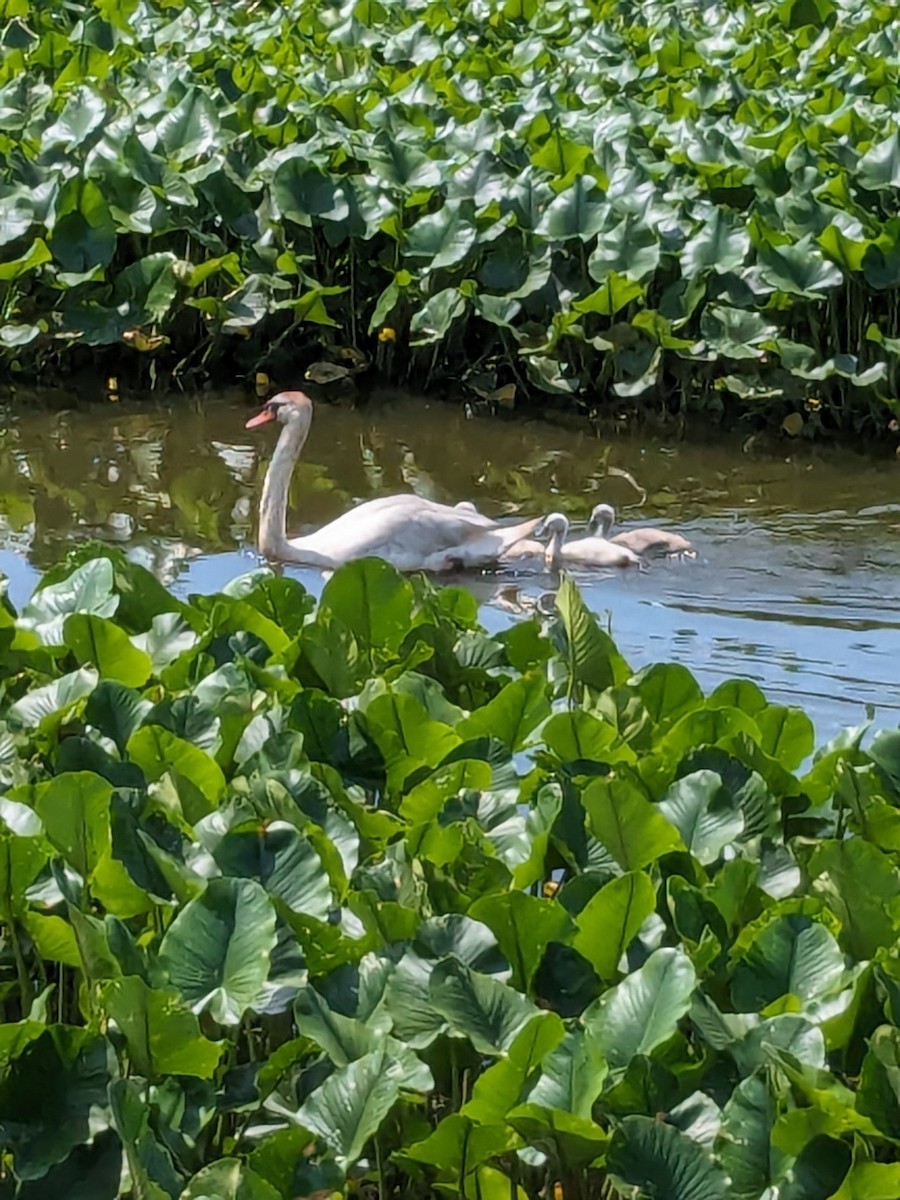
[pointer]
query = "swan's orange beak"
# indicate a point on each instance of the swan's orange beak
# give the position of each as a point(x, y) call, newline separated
point(264, 415)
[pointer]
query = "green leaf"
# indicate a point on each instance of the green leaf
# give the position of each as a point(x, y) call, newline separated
point(610, 920)
point(860, 885)
point(743, 1142)
point(190, 128)
point(718, 245)
point(372, 600)
point(879, 167)
point(83, 235)
point(502, 1086)
point(644, 1009)
point(162, 1036)
point(217, 951)
point(157, 752)
point(74, 808)
point(879, 1084)
point(88, 589)
point(444, 237)
point(97, 642)
point(792, 955)
point(434, 319)
point(478, 1007)
point(786, 734)
point(662, 1162)
point(350, 1106)
point(285, 862)
point(633, 830)
point(115, 711)
point(590, 654)
point(46, 706)
point(517, 709)
point(523, 925)
point(614, 293)
point(630, 249)
point(35, 256)
point(53, 1098)
point(799, 268)
point(576, 212)
point(83, 113)
point(703, 811)
point(572, 1075)
point(228, 1179)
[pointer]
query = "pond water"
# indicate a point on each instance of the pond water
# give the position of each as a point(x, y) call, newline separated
point(797, 584)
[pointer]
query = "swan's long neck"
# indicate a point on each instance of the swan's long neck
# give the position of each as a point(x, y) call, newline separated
point(273, 505)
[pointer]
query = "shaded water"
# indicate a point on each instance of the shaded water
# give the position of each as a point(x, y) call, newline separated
point(797, 586)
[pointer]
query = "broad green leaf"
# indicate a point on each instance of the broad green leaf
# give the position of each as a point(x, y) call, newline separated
point(503, 1085)
point(576, 212)
point(718, 245)
point(443, 238)
point(162, 1035)
point(45, 706)
point(572, 1075)
point(190, 128)
point(644, 1009)
point(285, 862)
point(610, 920)
point(372, 600)
point(703, 811)
point(352, 1103)
point(486, 1011)
point(228, 1179)
point(632, 829)
point(88, 589)
point(53, 1097)
point(96, 641)
point(115, 711)
point(216, 952)
point(861, 886)
point(660, 1161)
point(513, 713)
point(157, 751)
point(74, 808)
point(523, 926)
point(792, 955)
point(879, 1083)
point(743, 1141)
point(590, 655)
point(879, 167)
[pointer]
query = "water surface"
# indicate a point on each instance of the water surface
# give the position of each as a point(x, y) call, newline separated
point(797, 586)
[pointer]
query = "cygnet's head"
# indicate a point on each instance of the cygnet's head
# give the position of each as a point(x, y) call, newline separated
point(555, 524)
point(602, 520)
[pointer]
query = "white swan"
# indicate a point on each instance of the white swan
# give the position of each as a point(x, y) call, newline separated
point(643, 540)
point(583, 552)
point(406, 530)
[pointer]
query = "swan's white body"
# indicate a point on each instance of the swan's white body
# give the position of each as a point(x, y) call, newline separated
point(583, 552)
point(406, 530)
point(644, 540)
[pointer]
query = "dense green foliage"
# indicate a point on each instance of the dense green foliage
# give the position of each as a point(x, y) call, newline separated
point(298, 898)
point(668, 203)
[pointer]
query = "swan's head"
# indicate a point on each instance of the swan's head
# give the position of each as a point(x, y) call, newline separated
point(602, 520)
point(286, 407)
point(554, 525)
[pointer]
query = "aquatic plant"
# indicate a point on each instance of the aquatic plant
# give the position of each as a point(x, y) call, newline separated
point(687, 206)
point(301, 898)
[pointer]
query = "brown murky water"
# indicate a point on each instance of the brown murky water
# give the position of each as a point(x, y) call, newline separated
point(797, 586)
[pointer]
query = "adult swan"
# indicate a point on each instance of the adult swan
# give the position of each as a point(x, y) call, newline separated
point(406, 530)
